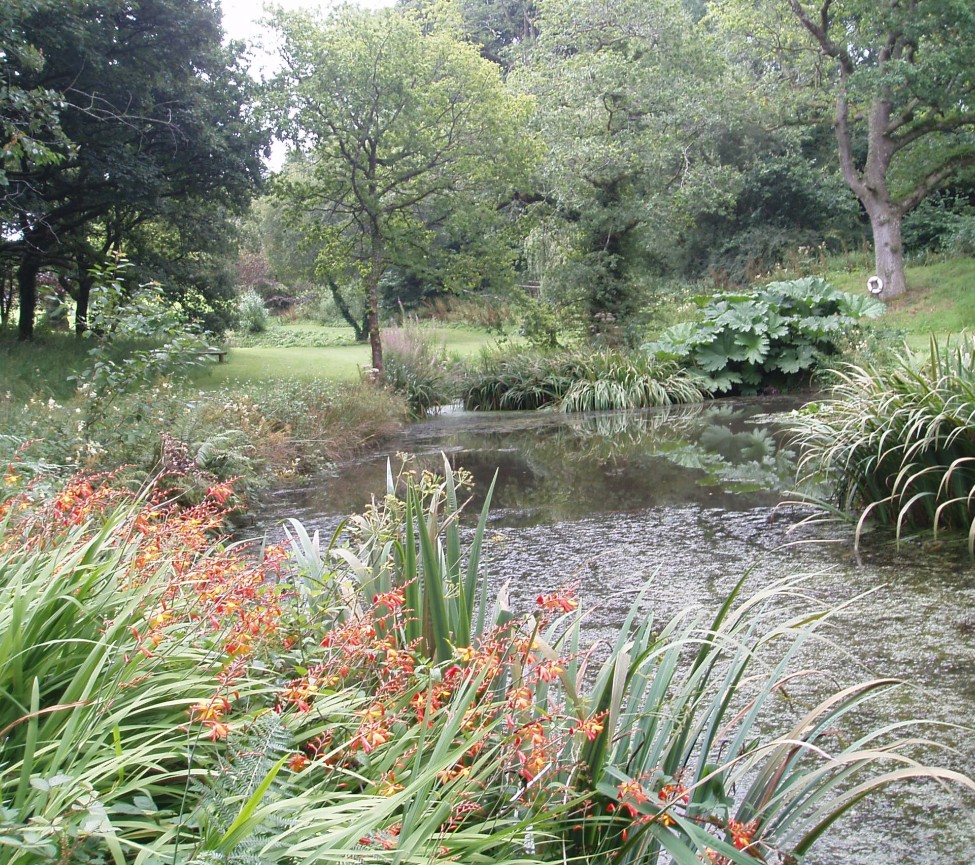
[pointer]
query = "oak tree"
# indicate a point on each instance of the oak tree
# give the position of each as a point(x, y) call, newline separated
point(896, 80)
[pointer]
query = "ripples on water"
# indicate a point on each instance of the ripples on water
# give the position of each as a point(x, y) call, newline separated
point(685, 499)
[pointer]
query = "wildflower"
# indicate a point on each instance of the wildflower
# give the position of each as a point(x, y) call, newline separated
point(211, 710)
point(630, 794)
point(220, 492)
point(591, 727)
point(298, 762)
point(464, 654)
point(560, 602)
point(742, 834)
point(388, 785)
point(673, 793)
point(372, 736)
point(548, 671)
point(521, 699)
point(218, 730)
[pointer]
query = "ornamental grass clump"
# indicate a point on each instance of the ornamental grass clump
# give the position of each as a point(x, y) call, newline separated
point(417, 367)
point(579, 381)
point(896, 445)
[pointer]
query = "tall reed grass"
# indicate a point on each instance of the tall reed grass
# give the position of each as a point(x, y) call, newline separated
point(578, 381)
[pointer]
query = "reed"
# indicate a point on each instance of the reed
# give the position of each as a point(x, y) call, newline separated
point(579, 381)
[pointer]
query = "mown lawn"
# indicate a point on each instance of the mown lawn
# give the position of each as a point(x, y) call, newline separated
point(341, 361)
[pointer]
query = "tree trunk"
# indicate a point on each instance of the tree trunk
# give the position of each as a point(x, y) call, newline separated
point(375, 340)
point(372, 300)
point(361, 331)
point(27, 295)
point(85, 281)
point(888, 250)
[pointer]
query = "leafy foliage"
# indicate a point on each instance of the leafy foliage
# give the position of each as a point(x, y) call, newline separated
point(772, 338)
point(210, 704)
point(159, 145)
point(893, 83)
point(895, 444)
point(407, 138)
point(118, 311)
point(577, 381)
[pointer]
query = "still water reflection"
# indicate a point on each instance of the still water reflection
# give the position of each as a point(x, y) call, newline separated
point(686, 498)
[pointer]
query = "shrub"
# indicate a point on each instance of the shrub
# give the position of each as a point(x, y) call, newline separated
point(575, 381)
point(251, 312)
point(771, 338)
point(483, 311)
point(962, 239)
point(896, 444)
point(253, 432)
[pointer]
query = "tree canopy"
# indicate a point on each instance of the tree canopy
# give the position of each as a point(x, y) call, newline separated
point(407, 137)
point(153, 117)
point(626, 107)
point(896, 80)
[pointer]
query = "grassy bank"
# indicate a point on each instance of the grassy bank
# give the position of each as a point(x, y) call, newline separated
point(940, 299)
point(307, 352)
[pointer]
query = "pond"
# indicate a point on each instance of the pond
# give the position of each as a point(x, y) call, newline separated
point(688, 499)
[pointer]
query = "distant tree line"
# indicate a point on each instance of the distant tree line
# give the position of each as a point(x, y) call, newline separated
point(573, 155)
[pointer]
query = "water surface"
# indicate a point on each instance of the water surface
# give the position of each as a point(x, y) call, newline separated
point(687, 500)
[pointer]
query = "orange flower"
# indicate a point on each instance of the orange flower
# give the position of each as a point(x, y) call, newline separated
point(211, 710)
point(521, 699)
point(220, 492)
point(548, 671)
point(298, 762)
point(742, 834)
point(591, 727)
point(218, 730)
point(564, 602)
point(388, 785)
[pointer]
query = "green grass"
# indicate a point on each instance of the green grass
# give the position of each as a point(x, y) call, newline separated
point(334, 362)
point(940, 299)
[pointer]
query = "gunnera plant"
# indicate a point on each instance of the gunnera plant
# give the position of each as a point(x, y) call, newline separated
point(773, 337)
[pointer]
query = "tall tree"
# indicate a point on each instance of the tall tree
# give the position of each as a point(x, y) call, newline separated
point(30, 132)
point(628, 111)
point(405, 128)
point(157, 112)
point(895, 78)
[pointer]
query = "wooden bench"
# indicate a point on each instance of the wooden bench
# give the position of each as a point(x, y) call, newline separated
point(218, 353)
